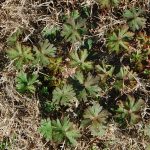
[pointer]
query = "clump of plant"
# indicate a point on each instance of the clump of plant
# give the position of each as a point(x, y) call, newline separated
point(138, 57)
point(108, 3)
point(26, 83)
point(128, 111)
point(64, 96)
point(20, 55)
point(125, 80)
point(134, 18)
point(95, 118)
point(141, 54)
point(44, 53)
point(105, 71)
point(73, 28)
point(86, 86)
point(50, 31)
point(59, 131)
point(143, 39)
point(79, 60)
point(56, 65)
point(118, 40)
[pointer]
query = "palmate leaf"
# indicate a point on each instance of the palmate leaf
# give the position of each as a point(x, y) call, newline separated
point(119, 40)
point(65, 130)
point(98, 130)
point(44, 52)
point(26, 83)
point(125, 79)
point(95, 118)
point(74, 28)
point(64, 96)
point(59, 130)
point(91, 85)
point(79, 60)
point(108, 3)
point(46, 129)
point(105, 71)
point(129, 110)
point(21, 55)
point(50, 31)
point(126, 73)
point(134, 19)
point(88, 87)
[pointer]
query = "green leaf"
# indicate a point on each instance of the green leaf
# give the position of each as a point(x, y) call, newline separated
point(105, 70)
point(134, 19)
point(44, 52)
point(119, 40)
point(46, 129)
point(20, 54)
point(65, 129)
point(95, 118)
point(74, 28)
point(64, 96)
point(125, 79)
point(79, 76)
point(75, 14)
point(79, 60)
point(129, 110)
point(88, 87)
point(50, 31)
point(98, 131)
point(26, 83)
point(91, 85)
point(90, 43)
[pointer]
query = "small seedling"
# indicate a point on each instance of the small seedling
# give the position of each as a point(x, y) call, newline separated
point(43, 53)
point(129, 111)
point(20, 54)
point(59, 130)
point(88, 87)
point(80, 60)
point(125, 80)
point(105, 71)
point(95, 118)
point(134, 19)
point(118, 40)
point(50, 31)
point(26, 83)
point(64, 96)
point(74, 28)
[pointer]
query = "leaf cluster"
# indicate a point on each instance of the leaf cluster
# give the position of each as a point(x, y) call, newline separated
point(129, 111)
point(118, 40)
point(59, 130)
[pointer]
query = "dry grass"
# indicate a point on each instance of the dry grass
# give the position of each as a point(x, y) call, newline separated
point(20, 115)
point(19, 118)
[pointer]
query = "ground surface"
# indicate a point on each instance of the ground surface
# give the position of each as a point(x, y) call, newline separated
point(20, 115)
